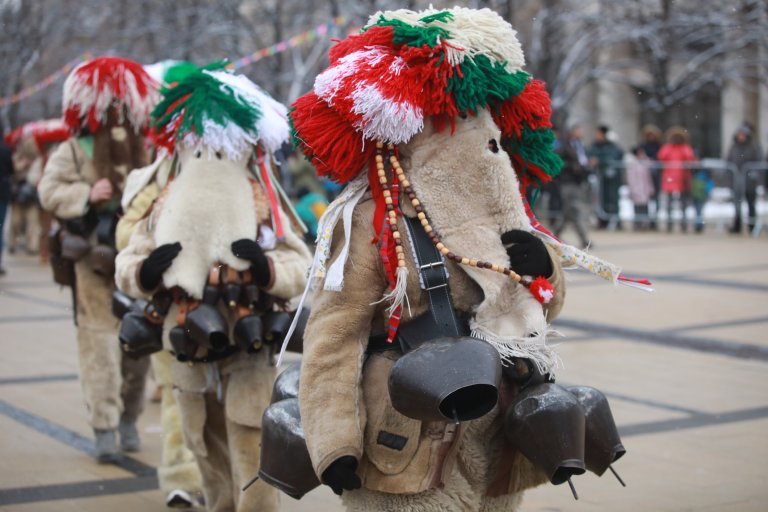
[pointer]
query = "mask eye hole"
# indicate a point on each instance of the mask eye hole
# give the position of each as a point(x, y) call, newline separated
point(198, 153)
point(463, 115)
point(493, 146)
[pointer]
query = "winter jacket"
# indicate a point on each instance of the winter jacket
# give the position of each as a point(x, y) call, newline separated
point(675, 178)
point(639, 180)
point(67, 180)
point(745, 152)
point(572, 171)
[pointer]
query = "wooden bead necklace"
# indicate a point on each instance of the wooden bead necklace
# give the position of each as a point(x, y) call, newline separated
point(421, 214)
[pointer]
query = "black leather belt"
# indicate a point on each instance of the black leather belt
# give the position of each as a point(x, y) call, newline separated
point(441, 319)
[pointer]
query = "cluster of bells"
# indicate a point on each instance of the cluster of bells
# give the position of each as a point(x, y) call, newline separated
point(562, 431)
point(204, 329)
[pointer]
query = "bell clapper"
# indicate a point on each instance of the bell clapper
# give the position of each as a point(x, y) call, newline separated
point(250, 482)
point(573, 489)
point(617, 476)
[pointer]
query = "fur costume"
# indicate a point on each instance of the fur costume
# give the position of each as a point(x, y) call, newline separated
point(109, 96)
point(425, 115)
point(214, 125)
point(178, 468)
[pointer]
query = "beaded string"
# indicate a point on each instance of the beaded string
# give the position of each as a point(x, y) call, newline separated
point(422, 216)
point(391, 212)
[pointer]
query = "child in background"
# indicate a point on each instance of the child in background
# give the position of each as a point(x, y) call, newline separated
point(640, 184)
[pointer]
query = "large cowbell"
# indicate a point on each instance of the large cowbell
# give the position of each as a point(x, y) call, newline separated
point(602, 443)
point(286, 384)
point(446, 379)
point(546, 423)
point(207, 327)
point(285, 462)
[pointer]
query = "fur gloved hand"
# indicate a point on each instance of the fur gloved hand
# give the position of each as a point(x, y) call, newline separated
point(158, 261)
point(340, 475)
point(251, 250)
point(528, 256)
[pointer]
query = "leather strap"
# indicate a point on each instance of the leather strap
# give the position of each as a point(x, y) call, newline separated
point(441, 320)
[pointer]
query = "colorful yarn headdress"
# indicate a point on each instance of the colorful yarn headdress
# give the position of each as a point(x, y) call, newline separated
point(94, 87)
point(42, 132)
point(220, 111)
point(406, 67)
point(226, 113)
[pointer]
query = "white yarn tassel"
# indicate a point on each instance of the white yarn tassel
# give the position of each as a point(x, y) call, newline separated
point(398, 296)
point(533, 347)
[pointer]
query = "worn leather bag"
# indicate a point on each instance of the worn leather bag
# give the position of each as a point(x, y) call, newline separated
point(63, 268)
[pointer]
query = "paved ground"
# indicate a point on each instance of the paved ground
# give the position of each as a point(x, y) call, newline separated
point(685, 368)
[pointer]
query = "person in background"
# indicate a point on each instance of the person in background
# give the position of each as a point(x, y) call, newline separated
point(546, 200)
point(6, 174)
point(310, 207)
point(25, 222)
point(640, 183)
point(574, 188)
point(744, 150)
point(675, 176)
point(602, 157)
point(651, 143)
point(701, 187)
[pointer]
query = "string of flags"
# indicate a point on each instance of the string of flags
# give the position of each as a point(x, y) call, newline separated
point(45, 82)
point(297, 40)
point(292, 42)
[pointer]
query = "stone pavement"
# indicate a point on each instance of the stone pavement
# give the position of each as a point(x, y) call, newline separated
point(685, 368)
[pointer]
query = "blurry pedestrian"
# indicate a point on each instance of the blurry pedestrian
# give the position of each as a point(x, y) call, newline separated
point(25, 219)
point(701, 187)
point(81, 186)
point(310, 206)
point(676, 177)
point(651, 144)
point(603, 155)
point(6, 174)
point(574, 188)
point(744, 150)
point(640, 183)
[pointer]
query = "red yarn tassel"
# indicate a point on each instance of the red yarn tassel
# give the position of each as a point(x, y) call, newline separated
point(337, 150)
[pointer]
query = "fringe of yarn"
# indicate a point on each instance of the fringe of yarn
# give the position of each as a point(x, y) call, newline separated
point(397, 297)
point(533, 348)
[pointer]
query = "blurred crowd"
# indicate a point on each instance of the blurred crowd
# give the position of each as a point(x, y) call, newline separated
point(661, 174)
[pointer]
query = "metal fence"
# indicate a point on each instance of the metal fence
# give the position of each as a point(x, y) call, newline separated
point(729, 189)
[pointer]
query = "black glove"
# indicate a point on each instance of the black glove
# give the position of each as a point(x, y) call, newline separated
point(158, 261)
point(340, 475)
point(528, 256)
point(251, 250)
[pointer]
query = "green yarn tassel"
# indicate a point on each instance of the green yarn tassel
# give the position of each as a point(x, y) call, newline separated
point(403, 33)
point(442, 16)
point(535, 146)
point(482, 81)
point(203, 98)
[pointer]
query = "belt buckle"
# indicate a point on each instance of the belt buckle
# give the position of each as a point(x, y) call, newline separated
point(430, 266)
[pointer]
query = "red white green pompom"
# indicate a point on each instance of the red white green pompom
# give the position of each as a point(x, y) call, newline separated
point(406, 67)
point(220, 111)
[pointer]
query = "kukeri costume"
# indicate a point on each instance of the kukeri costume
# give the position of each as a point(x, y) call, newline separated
point(214, 254)
point(107, 102)
point(32, 143)
point(430, 274)
point(177, 473)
